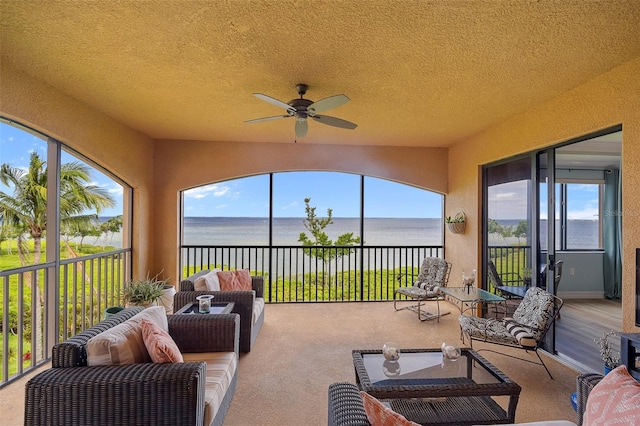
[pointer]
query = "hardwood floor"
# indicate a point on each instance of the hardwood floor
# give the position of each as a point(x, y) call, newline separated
point(581, 321)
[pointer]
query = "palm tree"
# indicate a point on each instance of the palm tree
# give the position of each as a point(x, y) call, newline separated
point(27, 207)
point(25, 212)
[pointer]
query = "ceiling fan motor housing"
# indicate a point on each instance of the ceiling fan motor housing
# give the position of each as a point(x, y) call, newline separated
point(300, 106)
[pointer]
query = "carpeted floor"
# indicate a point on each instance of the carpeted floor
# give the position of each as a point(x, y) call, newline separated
point(302, 348)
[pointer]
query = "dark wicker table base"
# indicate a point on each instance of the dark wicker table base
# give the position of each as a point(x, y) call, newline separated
point(468, 410)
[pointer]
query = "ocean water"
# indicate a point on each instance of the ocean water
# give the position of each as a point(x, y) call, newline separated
point(582, 234)
point(286, 231)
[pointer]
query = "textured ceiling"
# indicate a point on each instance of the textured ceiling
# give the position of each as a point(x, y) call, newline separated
point(419, 73)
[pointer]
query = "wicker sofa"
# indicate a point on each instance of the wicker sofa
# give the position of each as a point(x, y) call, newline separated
point(73, 393)
point(347, 409)
point(248, 304)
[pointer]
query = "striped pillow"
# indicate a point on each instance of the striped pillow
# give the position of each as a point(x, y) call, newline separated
point(521, 334)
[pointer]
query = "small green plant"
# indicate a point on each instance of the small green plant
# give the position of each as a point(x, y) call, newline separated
point(454, 219)
point(526, 272)
point(144, 291)
point(609, 358)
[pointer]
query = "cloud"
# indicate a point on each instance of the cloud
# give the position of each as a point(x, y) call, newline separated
point(221, 206)
point(292, 204)
point(215, 190)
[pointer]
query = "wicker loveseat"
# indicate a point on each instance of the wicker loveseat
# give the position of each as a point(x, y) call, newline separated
point(248, 304)
point(347, 409)
point(73, 393)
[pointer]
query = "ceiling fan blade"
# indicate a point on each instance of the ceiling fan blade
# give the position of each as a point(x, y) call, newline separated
point(301, 128)
point(274, 101)
point(260, 120)
point(335, 122)
point(326, 104)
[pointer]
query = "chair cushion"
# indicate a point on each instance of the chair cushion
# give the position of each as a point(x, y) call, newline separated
point(535, 310)
point(159, 343)
point(208, 281)
point(415, 292)
point(235, 280)
point(614, 400)
point(433, 272)
point(221, 367)
point(522, 334)
point(487, 329)
point(258, 307)
point(381, 415)
point(123, 344)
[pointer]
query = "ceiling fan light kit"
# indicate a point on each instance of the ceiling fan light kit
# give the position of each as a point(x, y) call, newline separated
point(302, 108)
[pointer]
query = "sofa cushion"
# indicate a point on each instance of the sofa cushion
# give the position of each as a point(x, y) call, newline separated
point(159, 344)
point(614, 400)
point(123, 344)
point(208, 281)
point(235, 280)
point(221, 367)
point(381, 415)
point(258, 307)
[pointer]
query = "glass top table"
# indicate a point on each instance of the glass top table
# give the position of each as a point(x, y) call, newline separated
point(472, 296)
point(427, 388)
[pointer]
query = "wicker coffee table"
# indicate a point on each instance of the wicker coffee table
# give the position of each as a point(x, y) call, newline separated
point(429, 390)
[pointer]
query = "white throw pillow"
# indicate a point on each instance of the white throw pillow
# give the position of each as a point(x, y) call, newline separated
point(123, 344)
point(212, 281)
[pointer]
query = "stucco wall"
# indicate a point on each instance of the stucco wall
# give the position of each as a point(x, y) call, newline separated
point(185, 164)
point(124, 152)
point(611, 99)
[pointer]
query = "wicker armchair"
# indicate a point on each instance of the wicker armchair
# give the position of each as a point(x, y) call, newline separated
point(246, 304)
point(71, 393)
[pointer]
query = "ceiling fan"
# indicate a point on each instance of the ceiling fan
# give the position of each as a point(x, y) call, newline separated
point(303, 108)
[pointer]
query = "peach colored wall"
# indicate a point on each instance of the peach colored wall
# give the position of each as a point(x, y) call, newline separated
point(185, 164)
point(611, 99)
point(124, 152)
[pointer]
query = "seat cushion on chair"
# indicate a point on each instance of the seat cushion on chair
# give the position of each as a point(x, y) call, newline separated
point(415, 292)
point(258, 307)
point(221, 367)
point(486, 329)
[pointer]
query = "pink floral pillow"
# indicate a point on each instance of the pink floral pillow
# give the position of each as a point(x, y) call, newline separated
point(614, 400)
point(159, 344)
point(380, 415)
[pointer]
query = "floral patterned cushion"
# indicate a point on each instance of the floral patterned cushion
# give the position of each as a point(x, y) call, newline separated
point(535, 311)
point(433, 273)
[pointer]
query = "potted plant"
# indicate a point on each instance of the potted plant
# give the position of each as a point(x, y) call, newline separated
point(456, 224)
point(144, 292)
point(609, 359)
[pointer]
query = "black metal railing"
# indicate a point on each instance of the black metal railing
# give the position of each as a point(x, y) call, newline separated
point(511, 262)
point(86, 286)
point(314, 274)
